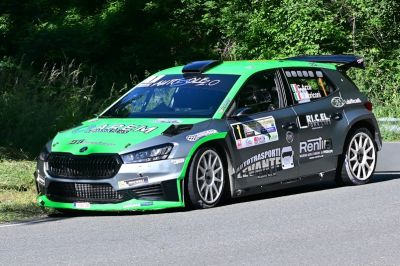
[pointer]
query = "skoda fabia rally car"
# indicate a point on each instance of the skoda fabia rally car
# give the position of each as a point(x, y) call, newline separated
point(198, 133)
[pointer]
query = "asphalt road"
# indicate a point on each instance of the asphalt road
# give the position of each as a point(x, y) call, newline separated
point(389, 157)
point(314, 225)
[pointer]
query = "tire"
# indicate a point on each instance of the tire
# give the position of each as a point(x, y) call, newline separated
point(207, 179)
point(358, 161)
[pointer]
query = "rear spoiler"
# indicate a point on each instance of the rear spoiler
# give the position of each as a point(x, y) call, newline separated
point(344, 62)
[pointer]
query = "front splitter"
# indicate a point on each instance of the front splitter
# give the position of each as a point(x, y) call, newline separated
point(130, 205)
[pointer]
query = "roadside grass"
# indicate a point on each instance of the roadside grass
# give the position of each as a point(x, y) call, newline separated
point(17, 191)
point(18, 205)
point(388, 116)
point(390, 136)
point(390, 129)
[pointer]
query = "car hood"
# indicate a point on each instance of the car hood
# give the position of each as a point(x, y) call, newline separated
point(111, 135)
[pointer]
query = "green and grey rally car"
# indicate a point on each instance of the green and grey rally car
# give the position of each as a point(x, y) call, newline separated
point(195, 134)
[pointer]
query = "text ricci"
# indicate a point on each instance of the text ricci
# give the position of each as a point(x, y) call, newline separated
point(314, 121)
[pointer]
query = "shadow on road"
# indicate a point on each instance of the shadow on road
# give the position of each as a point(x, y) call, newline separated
point(385, 176)
point(77, 213)
point(320, 186)
point(323, 185)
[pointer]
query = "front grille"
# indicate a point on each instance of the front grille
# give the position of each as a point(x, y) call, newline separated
point(153, 192)
point(105, 193)
point(97, 166)
point(71, 192)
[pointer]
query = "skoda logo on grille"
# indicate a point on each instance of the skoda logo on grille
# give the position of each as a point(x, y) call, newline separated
point(83, 149)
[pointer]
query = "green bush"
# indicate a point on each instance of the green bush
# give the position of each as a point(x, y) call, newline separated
point(35, 105)
point(381, 82)
point(116, 43)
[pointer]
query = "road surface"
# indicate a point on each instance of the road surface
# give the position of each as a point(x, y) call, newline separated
point(315, 225)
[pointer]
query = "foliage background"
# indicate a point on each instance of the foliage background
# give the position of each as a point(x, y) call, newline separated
point(63, 61)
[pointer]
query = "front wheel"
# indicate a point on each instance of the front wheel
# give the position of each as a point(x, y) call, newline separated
point(206, 180)
point(359, 159)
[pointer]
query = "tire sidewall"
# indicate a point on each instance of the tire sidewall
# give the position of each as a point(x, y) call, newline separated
point(347, 176)
point(193, 195)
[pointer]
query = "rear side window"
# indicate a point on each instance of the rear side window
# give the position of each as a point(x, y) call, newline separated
point(307, 85)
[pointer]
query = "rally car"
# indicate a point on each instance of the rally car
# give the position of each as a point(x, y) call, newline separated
point(208, 130)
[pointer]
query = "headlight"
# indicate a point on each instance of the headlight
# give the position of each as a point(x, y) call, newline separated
point(44, 154)
point(148, 155)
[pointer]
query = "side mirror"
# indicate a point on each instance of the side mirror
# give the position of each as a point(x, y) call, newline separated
point(241, 112)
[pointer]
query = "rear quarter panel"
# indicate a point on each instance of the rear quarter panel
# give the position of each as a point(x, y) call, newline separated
point(354, 110)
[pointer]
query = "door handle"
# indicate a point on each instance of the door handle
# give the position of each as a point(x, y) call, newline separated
point(336, 116)
point(289, 126)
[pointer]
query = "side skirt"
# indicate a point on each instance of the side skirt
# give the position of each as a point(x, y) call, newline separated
point(306, 180)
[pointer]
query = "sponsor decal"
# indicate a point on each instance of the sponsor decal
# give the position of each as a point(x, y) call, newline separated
point(177, 161)
point(150, 80)
point(289, 136)
point(82, 205)
point(315, 148)
point(224, 105)
point(171, 121)
point(119, 129)
point(82, 141)
point(199, 135)
point(313, 121)
point(132, 182)
point(300, 93)
point(76, 141)
point(239, 143)
point(135, 205)
point(131, 205)
point(338, 102)
point(304, 93)
point(353, 101)
point(267, 163)
point(146, 203)
point(287, 158)
point(158, 81)
point(255, 132)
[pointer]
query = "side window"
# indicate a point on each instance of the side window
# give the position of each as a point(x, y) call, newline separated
point(259, 93)
point(307, 85)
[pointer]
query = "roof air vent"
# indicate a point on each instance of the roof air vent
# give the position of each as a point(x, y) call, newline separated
point(200, 66)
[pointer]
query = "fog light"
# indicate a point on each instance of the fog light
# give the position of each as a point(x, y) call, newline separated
point(41, 180)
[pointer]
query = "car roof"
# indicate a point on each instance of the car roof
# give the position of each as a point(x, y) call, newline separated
point(248, 67)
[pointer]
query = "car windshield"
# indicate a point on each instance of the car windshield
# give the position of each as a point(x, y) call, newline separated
point(171, 96)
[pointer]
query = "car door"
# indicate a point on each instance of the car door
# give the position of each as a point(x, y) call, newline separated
point(311, 94)
point(263, 133)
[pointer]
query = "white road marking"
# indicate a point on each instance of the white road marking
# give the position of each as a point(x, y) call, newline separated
point(27, 223)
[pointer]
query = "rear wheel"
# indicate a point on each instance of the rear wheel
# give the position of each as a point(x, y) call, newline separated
point(206, 180)
point(358, 162)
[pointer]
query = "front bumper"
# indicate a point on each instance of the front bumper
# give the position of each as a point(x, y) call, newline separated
point(126, 191)
point(130, 205)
